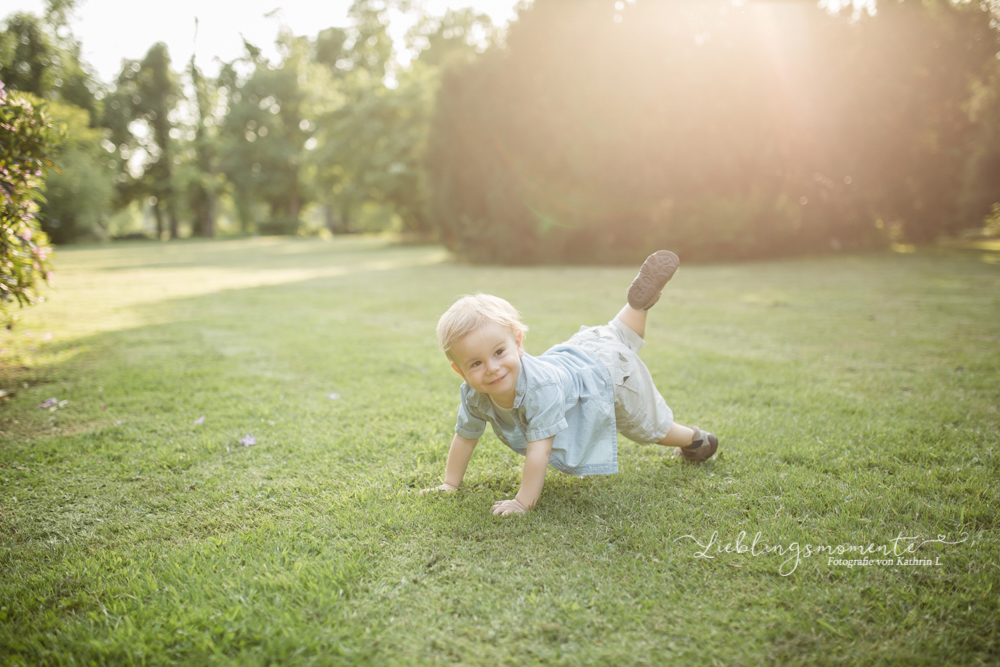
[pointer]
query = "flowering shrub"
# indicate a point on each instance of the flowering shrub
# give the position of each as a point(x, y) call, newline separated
point(26, 139)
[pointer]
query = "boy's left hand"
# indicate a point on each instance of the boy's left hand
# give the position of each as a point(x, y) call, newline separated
point(505, 507)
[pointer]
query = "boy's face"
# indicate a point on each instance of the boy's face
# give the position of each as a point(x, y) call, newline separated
point(489, 359)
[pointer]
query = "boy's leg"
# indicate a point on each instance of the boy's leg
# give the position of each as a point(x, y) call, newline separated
point(693, 444)
point(678, 436)
point(633, 319)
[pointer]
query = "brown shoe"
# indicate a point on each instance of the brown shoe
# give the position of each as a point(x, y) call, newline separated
point(701, 448)
point(653, 275)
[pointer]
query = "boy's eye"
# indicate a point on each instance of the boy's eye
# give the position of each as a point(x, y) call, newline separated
point(499, 352)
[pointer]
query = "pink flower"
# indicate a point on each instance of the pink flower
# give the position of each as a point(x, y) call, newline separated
point(26, 235)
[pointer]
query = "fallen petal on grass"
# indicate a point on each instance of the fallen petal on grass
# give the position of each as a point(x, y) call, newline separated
point(48, 403)
point(248, 441)
point(333, 397)
point(200, 420)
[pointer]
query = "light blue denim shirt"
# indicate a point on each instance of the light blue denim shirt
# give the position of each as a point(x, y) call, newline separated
point(566, 393)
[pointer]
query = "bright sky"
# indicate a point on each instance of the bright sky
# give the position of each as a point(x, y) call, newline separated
point(110, 30)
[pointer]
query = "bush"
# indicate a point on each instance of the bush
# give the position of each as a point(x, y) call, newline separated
point(27, 139)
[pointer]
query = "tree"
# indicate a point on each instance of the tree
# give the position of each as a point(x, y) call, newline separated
point(368, 144)
point(40, 56)
point(78, 193)
point(980, 194)
point(370, 139)
point(28, 60)
point(263, 135)
point(26, 141)
point(138, 113)
point(910, 127)
point(203, 186)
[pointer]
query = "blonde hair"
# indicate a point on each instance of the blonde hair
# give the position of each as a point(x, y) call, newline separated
point(473, 311)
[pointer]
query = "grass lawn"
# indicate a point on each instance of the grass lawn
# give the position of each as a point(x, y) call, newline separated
point(857, 400)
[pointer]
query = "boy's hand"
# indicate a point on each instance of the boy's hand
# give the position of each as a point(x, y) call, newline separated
point(505, 507)
point(444, 487)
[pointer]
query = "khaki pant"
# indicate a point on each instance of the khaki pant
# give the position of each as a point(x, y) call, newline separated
point(641, 414)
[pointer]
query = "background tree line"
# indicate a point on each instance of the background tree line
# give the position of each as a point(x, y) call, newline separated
point(719, 129)
point(591, 131)
point(333, 122)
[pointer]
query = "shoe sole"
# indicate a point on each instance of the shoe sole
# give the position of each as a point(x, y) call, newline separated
point(655, 272)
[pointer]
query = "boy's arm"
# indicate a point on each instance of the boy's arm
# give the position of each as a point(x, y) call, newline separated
point(536, 462)
point(458, 460)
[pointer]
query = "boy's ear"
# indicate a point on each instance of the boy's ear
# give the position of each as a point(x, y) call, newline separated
point(457, 370)
point(519, 341)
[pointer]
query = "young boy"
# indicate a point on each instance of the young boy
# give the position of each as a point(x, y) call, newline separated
point(565, 407)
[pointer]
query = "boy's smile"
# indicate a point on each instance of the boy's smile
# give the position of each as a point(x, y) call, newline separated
point(489, 359)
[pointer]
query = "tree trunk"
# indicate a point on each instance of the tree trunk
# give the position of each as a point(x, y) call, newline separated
point(159, 220)
point(345, 217)
point(173, 220)
point(331, 222)
point(293, 205)
point(209, 230)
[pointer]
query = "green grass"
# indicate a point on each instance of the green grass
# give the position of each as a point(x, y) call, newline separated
point(856, 399)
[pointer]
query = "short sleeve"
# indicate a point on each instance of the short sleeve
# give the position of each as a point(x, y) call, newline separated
point(470, 424)
point(545, 412)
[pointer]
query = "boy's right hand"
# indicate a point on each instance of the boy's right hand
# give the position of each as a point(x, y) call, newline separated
point(444, 487)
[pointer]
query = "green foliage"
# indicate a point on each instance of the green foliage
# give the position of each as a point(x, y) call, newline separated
point(138, 116)
point(27, 140)
point(718, 130)
point(369, 148)
point(587, 132)
point(41, 57)
point(324, 125)
point(455, 38)
point(78, 195)
point(263, 136)
point(148, 145)
point(993, 220)
point(27, 56)
point(371, 47)
point(910, 132)
point(371, 138)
